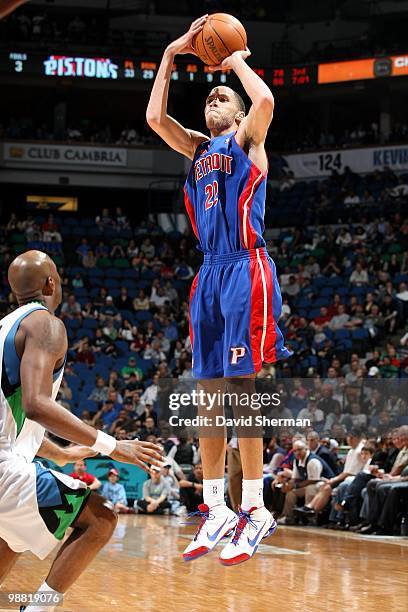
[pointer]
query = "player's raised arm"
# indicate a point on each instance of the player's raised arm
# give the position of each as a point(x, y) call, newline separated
point(44, 348)
point(253, 129)
point(179, 138)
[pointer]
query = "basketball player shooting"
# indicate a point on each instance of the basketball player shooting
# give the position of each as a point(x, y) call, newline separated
point(38, 505)
point(235, 300)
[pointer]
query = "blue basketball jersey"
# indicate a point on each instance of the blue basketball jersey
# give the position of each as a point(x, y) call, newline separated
point(225, 197)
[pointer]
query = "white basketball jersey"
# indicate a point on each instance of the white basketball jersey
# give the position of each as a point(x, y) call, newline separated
point(18, 434)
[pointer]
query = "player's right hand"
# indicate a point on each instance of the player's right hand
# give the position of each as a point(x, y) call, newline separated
point(139, 453)
point(184, 44)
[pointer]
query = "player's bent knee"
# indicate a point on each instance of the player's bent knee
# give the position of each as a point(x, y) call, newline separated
point(98, 515)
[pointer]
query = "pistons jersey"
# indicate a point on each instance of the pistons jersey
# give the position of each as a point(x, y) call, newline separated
point(225, 197)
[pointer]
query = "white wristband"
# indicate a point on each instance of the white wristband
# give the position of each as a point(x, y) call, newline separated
point(104, 444)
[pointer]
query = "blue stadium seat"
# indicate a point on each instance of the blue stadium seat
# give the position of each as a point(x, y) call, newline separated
point(80, 292)
point(83, 333)
point(144, 315)
point(88, 405)
point(360, 334)
point(326, 292)
point(72, 323)
point(95, 273)
point(343, 291)
point(104, 361)
point(359, 291)
point(113, 273)
point(145, 365)
point(342, 334)
point(82, 370)
point(304, 303)
point(321, 301)
point(112, 283)
point(89, 324)
point(344, 345)
point(122, 346)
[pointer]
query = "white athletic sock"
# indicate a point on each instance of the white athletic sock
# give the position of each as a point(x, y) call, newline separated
point(252, 494)
point(44, 588)
point(213, 492)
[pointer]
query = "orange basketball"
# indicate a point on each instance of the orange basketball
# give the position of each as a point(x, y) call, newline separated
point(221, 35)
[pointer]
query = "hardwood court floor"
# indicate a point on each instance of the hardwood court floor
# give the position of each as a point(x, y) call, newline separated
point(296, 569)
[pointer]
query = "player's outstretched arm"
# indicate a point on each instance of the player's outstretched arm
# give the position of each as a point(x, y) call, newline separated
point(253, 129)
point(61, 455)
point(44, 348)
point(8, 6)
point(179, 138)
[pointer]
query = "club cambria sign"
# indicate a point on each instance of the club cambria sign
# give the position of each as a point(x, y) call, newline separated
point(65, 154)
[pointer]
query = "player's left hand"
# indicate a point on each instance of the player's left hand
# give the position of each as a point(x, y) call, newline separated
point(75, 453)
point(228, 63)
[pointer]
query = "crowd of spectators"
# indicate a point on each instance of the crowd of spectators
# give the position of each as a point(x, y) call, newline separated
point(125, 307)
point(366, 491)
point(80, 132)
point(284, 138)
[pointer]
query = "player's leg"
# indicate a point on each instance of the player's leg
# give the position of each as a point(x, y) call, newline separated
point(7, 559)
point(234, 471)
point(219, 519)
point(206, 333)
point(92, 530)
point(247, 317)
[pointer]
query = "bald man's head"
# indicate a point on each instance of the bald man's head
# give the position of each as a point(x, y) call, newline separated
point(34, 276)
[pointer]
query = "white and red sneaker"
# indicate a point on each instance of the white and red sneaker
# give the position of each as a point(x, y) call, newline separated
point(216, 522)
point(252, 527)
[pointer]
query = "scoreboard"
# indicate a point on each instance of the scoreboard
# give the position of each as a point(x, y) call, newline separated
point(128, 69)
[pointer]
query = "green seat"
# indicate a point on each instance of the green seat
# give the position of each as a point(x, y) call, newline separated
point(17, 238)
point(104, 262)
point(121, 263)
point(394, 248)
point(319, 253)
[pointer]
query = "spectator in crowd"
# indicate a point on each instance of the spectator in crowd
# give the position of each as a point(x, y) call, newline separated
point(155, 494)
point(71, 309)
point(307, 474)
point(80, 473)
point(315, 446)
point(191, 489)
point(336, 486)
point(130, 369)
point(100, 392)
point(359, 276)
point(115, 492)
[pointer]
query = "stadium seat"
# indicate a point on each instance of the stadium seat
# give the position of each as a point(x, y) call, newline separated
point(341, 334)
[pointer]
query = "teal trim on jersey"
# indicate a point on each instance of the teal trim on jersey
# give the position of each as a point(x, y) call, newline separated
point(15, 402)
point(11, 361)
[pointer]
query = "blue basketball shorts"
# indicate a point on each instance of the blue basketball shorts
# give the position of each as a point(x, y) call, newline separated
point(235, 304)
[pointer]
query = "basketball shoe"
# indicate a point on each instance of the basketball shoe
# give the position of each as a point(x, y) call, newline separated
point(252, 527)
point(216, 522)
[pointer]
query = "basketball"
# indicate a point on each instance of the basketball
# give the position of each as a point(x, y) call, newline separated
point(221, 35)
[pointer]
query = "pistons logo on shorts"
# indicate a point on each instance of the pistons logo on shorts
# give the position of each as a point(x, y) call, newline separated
point(237, 353)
